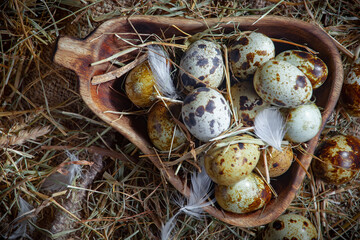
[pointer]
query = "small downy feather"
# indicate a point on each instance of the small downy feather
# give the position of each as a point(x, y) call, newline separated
point(199, 192)
point(57, 181)
point(23, 227)
point(160, 67)
point(270, 127)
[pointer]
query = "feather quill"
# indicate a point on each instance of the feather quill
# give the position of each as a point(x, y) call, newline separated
point(199, 192)
point(22, 226)
point(160, 67)
point(57, 181)
point(270, 127)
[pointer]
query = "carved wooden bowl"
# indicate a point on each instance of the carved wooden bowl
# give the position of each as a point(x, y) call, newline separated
point(78, 54)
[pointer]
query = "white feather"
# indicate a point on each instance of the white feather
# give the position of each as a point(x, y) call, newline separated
point(22, 226)
point(201, 188)
point(270, 127)
point(160, 67)
point(57, 181)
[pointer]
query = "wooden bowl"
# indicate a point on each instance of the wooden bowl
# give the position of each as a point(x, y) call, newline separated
point(78, 54)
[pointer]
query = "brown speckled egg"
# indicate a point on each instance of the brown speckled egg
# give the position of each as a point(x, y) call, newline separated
point(249, 52)
point(162, 129)
point(247, 195)
point(312, 66)
point(206, 113)
point(302, 122)
point(290, 226)
point(231, 163)
point(247, 102)
point(351, 90)
point(278, 162)
point(282, 84)
point(139, 85)
point(339, 159)
point(202, 60)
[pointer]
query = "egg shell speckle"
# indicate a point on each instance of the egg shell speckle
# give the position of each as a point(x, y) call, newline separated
point(290, 226)
point(162, 129)
point(139, 85)
point(228, 165)
point(351, 90)
point(278, 162)
point(247, 102)
point(312, 66)
point(247, 195)
point(340, 159)
point(282, 84)
point(302, 123)
point(205, 113)
point(249, 52)
point(202, 60)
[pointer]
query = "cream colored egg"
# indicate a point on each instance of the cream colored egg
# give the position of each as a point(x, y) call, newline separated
point(247, 102)
point(249, 52)
point(278, 162)
point(163, 131)
point(139, 85)
point(311, 65)
point(202, 65)
point(247, 195)
point(232, 162)
point(282, 84)
point(290, 226)
point(303, 123)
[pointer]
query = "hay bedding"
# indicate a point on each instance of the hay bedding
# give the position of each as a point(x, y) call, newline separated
point(121, 195)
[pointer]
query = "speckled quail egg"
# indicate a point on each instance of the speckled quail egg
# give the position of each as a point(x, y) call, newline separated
point(139, 85)
point(312, 66)
point(302, 122)
point(247, 102)
point(338, 159)
point(162, 129)
point(282, 84)
point(202, 65)
point(278, 162)
point(351, 90)
point(290, 226)
point(247, 195)
point(249, 52)
point(230, 163)
point(205, 113)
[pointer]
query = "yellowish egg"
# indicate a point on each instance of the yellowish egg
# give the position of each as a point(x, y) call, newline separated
point(278, 162)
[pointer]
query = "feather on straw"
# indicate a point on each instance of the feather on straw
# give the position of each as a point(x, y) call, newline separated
point(200, 191)
point(58, 181)
point(160, 67)
point(270, 127)
point(22, 225)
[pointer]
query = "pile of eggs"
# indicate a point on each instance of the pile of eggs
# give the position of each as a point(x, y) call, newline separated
point(261, 80)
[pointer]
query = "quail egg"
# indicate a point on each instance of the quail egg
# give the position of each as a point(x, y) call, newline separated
point(139, 85)
point(351, 90)
point(302, 123)
point(312, 66)
point(162, 129)
point(247, 195)
point(290, 226)
point(338, 159)
point(202, 65)
point(282, 84)
point(278, 162)
point(249, 52)
point(246, 102)
point(205, 113)
point(230, 163)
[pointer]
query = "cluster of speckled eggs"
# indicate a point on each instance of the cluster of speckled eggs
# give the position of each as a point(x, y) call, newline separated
point(285, 81)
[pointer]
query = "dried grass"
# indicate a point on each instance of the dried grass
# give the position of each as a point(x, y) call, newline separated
point(127, 197)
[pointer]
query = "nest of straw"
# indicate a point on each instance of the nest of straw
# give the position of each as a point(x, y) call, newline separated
point(120, 194)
